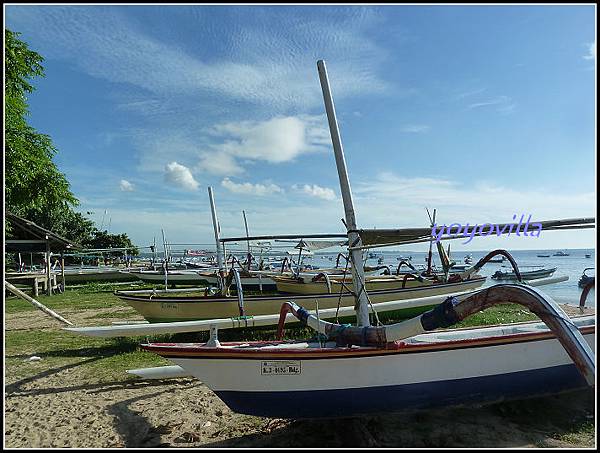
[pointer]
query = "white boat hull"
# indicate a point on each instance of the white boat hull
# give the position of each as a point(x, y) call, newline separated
point(435, 369)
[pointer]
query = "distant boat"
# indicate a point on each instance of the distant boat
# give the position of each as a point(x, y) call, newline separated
point(543, 256)
point(468, 259)
point(526, 275)
point(502, 259)
point(588, 255)
point(561, 253)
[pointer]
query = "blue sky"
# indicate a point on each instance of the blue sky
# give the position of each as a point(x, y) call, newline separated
point(481, 112)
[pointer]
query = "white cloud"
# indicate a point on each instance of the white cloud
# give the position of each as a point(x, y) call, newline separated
point(219, 163)
point(256, 63)
point(126, 186)
point(591, 52)
point(478, 201)
point(276, 140)
point(247, 188)
point(414, 128)
point(180, 175)
point(314, 190)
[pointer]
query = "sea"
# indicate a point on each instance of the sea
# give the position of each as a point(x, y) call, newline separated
point(563, 292)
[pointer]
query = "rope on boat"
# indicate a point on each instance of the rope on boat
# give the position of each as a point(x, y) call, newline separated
point(339, 304)
point(363, 289)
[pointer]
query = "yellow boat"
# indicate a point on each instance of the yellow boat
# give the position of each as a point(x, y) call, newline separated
point(337, 284)
point(162, 308)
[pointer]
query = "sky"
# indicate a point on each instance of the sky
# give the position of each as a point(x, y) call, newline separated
point(481, 112)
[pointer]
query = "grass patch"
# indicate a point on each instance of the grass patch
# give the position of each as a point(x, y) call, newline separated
point(80, 300)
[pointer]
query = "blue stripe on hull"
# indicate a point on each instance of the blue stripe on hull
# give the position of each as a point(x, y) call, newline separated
point(361, 401)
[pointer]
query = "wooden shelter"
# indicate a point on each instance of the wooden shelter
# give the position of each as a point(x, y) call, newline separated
point(26, 236)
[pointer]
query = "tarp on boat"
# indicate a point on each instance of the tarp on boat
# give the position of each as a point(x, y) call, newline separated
point(384, 237)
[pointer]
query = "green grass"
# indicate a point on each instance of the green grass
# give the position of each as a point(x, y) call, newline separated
point(68, 300)
point(107, 359)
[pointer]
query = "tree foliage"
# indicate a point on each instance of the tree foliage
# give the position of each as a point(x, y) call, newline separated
point(34, 187)
point(103, 240)
point(33, 183)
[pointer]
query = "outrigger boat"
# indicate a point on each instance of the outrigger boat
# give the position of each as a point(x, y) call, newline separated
point(369, 369)
point(526, 275)
point(173, 277)
point(586, 279)
point(164, 308)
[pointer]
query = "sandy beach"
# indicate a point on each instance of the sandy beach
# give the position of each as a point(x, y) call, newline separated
point(58, 401)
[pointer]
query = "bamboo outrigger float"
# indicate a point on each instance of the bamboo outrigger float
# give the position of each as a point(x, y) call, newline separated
point(369, 369)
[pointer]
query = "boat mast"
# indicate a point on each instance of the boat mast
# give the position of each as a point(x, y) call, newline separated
point(217, 229)
point(358, 274)
point(248, 241)
point(166, 262)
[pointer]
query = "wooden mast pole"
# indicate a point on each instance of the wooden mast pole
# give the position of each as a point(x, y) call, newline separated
point(217, 230)
point(248, 241)
point(166, 265)
point(358, 274)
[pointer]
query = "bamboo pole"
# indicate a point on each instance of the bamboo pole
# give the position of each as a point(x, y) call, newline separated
point(247, 235)
point(217, 229)
point(358, 273)
point(17, 292)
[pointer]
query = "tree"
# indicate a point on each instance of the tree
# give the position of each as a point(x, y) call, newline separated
point(105, 240)
point(33, 184)
point(34, 187)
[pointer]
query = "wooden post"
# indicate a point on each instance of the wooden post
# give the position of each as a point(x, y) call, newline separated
point(62, 269)
point(35, 303)
point(48, 269)
point(358, 272)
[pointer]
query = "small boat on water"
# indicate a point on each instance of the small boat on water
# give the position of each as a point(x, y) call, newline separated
point(560, 253)
point(543, 256)
point(468, 259)
point(588, 255)
point(585, 279)
point(404, 258)
point(526, 275)
point(502, 259)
